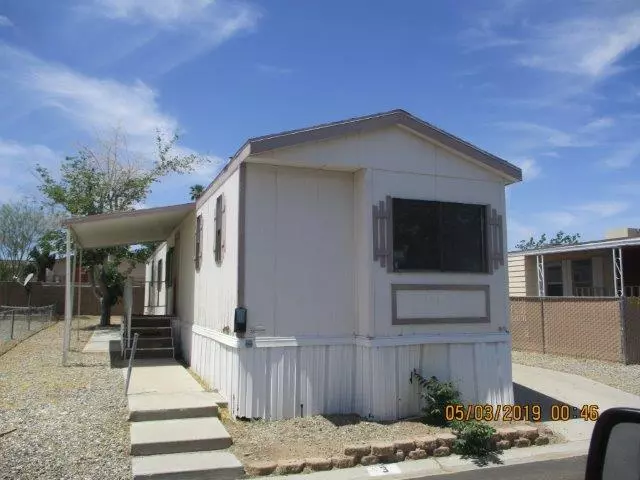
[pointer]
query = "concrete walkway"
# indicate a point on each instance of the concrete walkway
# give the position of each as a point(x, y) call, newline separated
point(175, 430)
point(103, 341)
point(533, 385)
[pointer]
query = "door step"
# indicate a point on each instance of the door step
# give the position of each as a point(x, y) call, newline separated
point(148, 407)
point(159, 352)
point(178, 436)
point(193, 466)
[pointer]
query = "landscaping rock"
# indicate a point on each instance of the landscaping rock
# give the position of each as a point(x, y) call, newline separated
point(445, 439)
point(544, 430)
point(286, 467)
point(260, 468)
point(542, 441)
point(495, 438)
point(427, 443)
point(382, 449)
point(405, 445)
point(503, 445)
point(400, 456)
point(343, 461)
point(442, 452)
point(369, 460)
point(318, 464)
point(357, 450)
point(508, 433)
point(526, 431)
point(418, 454)
point(522, 442)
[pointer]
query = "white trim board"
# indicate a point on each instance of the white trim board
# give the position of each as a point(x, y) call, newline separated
point(274, 342)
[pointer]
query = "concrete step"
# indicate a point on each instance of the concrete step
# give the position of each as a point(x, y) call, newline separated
point(150, 321)
point(187, 466)
point(157, 352)
point(151, 331)
point(171, 406)
point(155, 342)
point(178, 436)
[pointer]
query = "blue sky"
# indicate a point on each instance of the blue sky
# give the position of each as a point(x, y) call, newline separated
point(551, 86)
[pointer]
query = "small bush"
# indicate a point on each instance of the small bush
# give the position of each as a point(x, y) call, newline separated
point(474, 438)
point(436, 395)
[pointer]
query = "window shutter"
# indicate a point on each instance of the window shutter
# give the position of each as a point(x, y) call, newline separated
point(198, 253)
point(382, 233)
point(496, 239)
point(223, 226)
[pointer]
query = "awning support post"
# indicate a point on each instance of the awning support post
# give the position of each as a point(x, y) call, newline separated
point(540, 269)
point(68, 312)
point(618, 272)
point(79, 286)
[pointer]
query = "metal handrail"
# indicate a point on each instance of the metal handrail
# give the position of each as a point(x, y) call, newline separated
point(133, 354)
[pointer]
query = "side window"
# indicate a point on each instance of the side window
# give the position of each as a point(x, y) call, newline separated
point(220, 221)
point(198, 255)
point(159, 274)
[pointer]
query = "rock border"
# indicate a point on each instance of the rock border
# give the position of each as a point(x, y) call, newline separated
point(437, 445)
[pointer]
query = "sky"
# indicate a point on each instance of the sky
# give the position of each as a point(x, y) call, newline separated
point(552, 86)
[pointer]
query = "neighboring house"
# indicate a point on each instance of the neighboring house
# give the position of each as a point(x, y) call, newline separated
point(324, 264)
point(58, 273)
point(601, 268)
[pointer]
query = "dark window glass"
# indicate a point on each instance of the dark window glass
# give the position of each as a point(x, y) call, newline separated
point(159, 274)
point(198, 252)
point(416, 242)
point(463, 237)
point(439, 236)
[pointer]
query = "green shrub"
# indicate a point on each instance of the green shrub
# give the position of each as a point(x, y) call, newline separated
point(436, 395)
point(474, 438)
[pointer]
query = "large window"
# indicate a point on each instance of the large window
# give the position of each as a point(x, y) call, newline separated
point(582, 274)
point(440, 236)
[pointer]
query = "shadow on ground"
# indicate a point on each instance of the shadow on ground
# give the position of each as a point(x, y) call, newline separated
point(484, 460)
point(526, 396)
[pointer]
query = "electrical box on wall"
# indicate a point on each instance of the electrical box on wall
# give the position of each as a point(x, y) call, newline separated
point(240, 320)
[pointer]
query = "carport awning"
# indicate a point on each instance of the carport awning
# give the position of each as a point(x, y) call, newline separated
point(128, 228)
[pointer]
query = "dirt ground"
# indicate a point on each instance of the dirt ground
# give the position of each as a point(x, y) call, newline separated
point(320, 435)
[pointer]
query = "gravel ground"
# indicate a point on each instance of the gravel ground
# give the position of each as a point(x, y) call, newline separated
point(319, 436)
point(623, 377)
point(70, 422)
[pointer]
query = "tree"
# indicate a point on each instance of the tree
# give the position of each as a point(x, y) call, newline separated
point(22, 225)
point(41, 259)
point(105, 178)
point(196, 192)
point(561, 238)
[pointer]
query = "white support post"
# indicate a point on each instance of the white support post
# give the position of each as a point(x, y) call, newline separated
point(68, 312)
point(540, 269)
point(618, 272)
point(79, 281)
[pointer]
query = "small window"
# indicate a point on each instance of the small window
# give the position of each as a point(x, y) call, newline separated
point(553, 277)
point(169, 267)
point(159, 274)
point(219, 229)
point(440, 236)
point(582, 275)
point(198, 255)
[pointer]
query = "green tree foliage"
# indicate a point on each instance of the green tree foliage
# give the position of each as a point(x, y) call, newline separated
point(41, 258)
point(106, 178)
point(436, 395)
point(196, 192)
point(561, 238)
point(22, 225)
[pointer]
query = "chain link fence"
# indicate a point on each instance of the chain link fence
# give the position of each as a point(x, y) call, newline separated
point(17, 322)
point(599, 328)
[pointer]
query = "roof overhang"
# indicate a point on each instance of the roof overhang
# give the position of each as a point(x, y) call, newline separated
point(582, 247)
point(128, 228)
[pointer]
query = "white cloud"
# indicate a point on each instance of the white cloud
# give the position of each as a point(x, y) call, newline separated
point(91, 104)
point(5, 21)
point(598, 124)
point(544, 136)
point(590, 46)
point(530, 168)
point(197, 25)
point(274, 69)
point(558, 219)
point(623, 157)
point(603, 209)
point(18, 160)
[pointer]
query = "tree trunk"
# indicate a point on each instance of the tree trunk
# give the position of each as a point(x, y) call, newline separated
point(42, 273)
point(105, 311)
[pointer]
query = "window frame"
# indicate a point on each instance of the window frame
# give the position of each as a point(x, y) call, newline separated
point(485, 232)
